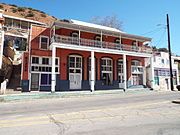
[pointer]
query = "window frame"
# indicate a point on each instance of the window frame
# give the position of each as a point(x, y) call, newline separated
point(40, 41)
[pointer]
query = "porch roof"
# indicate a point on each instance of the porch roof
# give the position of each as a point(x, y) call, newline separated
point(84, 26)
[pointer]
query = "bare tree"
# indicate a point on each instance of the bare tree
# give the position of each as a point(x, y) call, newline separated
point(110, 21)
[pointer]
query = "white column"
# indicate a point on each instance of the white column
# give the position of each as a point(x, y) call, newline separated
point(101, 38)
point(79, 37)
point(124, 71)
point(144, 75)
point(92, 71)
point(151, 72)
point(53, 73)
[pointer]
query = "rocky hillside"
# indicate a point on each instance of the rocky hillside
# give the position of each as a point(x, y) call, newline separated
point(27, 12)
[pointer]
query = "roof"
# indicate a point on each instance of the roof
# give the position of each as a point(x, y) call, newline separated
point(94, 26)
point(91, 27)
point(23, 19)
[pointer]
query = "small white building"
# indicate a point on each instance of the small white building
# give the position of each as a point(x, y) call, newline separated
point(158, 71)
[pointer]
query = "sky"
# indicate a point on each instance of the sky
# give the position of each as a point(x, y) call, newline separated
point(140, 17)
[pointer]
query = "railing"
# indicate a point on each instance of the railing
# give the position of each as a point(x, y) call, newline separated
point(98, 44)
point(22, 30)
point(137, 69)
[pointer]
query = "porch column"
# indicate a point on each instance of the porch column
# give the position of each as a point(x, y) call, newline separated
point(124, 71)
point(151, 72)
point(92, 71)
point(53, 73)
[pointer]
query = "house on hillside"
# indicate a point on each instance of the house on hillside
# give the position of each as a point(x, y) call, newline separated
point(74, 55)
point(14, 38)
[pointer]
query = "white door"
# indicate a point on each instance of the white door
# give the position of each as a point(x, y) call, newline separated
point(75, 71)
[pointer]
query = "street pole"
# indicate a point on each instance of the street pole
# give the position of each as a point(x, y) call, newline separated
point(169, 48)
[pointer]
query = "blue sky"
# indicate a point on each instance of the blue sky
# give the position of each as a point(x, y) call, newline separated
point(141, 17)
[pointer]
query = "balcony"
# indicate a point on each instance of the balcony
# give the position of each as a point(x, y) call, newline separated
point(98, 44)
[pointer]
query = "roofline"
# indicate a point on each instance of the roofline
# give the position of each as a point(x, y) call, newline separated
point(23, 19)
point(120, 33)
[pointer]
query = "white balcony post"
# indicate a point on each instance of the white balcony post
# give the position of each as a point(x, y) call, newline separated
point(79, 37)
point(92, 71)
point(124, 71)
point(53, 73)
point(101, 39)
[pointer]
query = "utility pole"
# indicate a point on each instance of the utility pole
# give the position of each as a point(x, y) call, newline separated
point(169, 48)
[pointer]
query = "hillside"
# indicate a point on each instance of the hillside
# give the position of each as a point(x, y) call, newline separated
point(27, 12)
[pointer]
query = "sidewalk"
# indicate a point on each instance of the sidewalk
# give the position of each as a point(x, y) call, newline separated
point(69, 94)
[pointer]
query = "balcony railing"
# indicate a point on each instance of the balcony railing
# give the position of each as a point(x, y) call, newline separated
point(98, 44)
point(21, 30)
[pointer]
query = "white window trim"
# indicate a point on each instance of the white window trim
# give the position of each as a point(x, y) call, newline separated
point(44, 65)
point(41, 36)
point(75, 33)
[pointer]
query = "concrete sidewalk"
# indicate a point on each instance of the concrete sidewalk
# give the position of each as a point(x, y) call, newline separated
point(44, 95)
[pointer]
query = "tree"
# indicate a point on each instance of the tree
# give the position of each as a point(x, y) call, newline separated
point(110, 21)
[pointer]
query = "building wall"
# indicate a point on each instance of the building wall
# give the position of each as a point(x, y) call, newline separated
point(62, 79)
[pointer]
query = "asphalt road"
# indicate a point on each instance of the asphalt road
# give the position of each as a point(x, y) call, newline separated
point(150, 113)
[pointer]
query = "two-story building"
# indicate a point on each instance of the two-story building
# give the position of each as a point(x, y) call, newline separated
point(75, 55)
point(159, 74)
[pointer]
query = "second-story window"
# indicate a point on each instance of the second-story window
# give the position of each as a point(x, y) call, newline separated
point(75, 38)
point(117, 41)
point(75, 35)
point(44, 42)
point(98, 38)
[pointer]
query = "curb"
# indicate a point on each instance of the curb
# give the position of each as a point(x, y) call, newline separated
point(48, 95)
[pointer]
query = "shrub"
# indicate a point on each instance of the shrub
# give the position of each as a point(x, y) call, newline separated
point(21, 9)
point(13, 5)
point(30, 8)
point(43, 15)
point(42, 12)
point(30, 11)
point(1, 6)
point(14, 10)
point(30, 15)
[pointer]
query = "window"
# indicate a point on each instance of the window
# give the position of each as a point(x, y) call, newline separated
point(45, 61)
point(117, 41)
point(75, 38)
point(136, 63)
point(97, 41)
point(35, 60)
point(120, 71)
point(42, 64)
point(75, 35)
point(107, 74)
point(45, 79)
point(44, 41)
point(162, 61)
point(89, 64)
point(98, 38)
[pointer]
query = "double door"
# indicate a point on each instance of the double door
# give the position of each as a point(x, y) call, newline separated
point(75, 71)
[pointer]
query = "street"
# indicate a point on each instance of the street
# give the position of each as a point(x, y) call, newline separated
point(151, 113)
